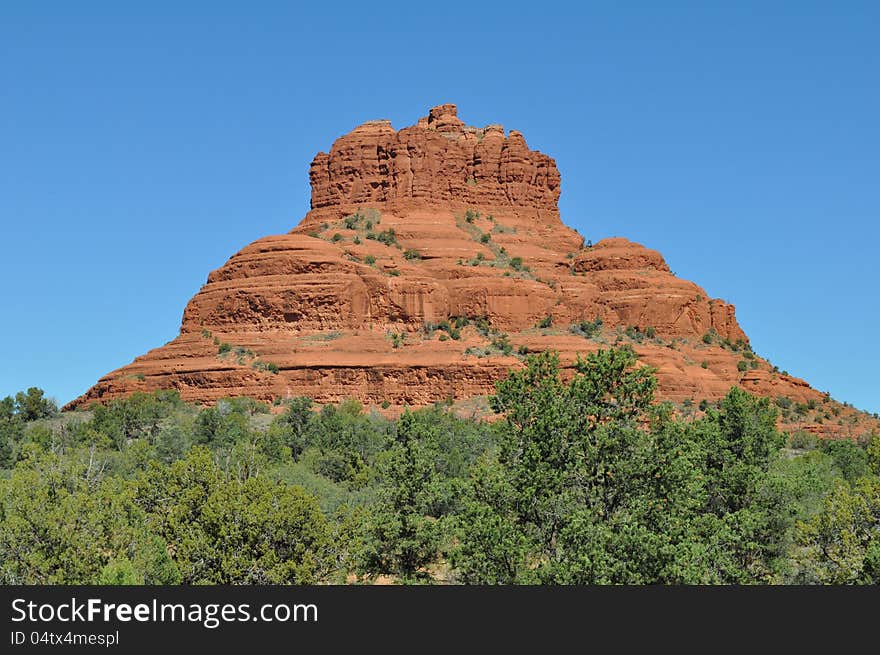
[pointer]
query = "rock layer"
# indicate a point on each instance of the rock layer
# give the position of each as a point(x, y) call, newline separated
point(414, 228)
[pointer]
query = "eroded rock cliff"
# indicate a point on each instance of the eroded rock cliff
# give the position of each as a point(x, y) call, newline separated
point(433, 259)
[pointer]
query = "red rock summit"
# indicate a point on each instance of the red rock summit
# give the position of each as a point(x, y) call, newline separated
point(432, 260)
point(439, 161)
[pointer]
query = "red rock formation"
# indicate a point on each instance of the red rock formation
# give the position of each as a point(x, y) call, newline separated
point(438, 161)
point(409, 228)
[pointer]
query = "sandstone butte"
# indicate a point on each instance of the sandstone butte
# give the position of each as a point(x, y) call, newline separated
point(439, 220)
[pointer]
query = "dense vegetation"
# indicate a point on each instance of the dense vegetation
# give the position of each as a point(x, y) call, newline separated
point(581, 481)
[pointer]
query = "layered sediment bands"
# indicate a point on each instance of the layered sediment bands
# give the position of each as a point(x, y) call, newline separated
point(410, 229)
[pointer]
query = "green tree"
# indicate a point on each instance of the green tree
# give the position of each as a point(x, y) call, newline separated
point(841, 544)
point(32, 405)
point(291, 428)
point(564, 467)
point(848, 457)
point(742, 519)
point(172, 442)
point(11, 430)
point(404, 536)
point(138, 416)
point(119, 572)
point(873, 454)
point(592, 484)
point(494, 545)
point(222, 426)
point(223, 530)
point(342, 441)
point(62, 522)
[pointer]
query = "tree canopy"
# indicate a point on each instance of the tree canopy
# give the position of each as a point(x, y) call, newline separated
point(585, 479)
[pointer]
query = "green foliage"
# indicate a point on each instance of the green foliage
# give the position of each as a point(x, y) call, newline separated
point(580, 493)
point(450, 326)
point(499, 342)
point(230, 510)
point(481, 325)
point(849, 458)
point(635, 333)
point(802, 440)
point(230, 531)
point(6, 448)
point(221, 426)
point(412, 255)
point(587, 329)
point(582, 480)
point(172, 442)
point(290, 430)
point(32, 405)
point(344, 442)
point(8, 409)
point(783, 402)
point(872, 452)
point(120, 572)
point(351, 222)
point(387, 237)
point(12, 427)
point(520, 505)
point(370, 260)
point(841, 544)
point(138, 416)
point(271, 367)
point(485, 237)
point(64, 523)
point(502, 343)
point(224, 348)
point(404, 537)
point(546, 322)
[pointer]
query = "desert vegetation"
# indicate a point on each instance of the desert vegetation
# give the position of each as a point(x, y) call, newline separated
point(585, 480)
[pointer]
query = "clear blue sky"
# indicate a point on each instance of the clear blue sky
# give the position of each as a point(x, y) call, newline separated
point(141, 147)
